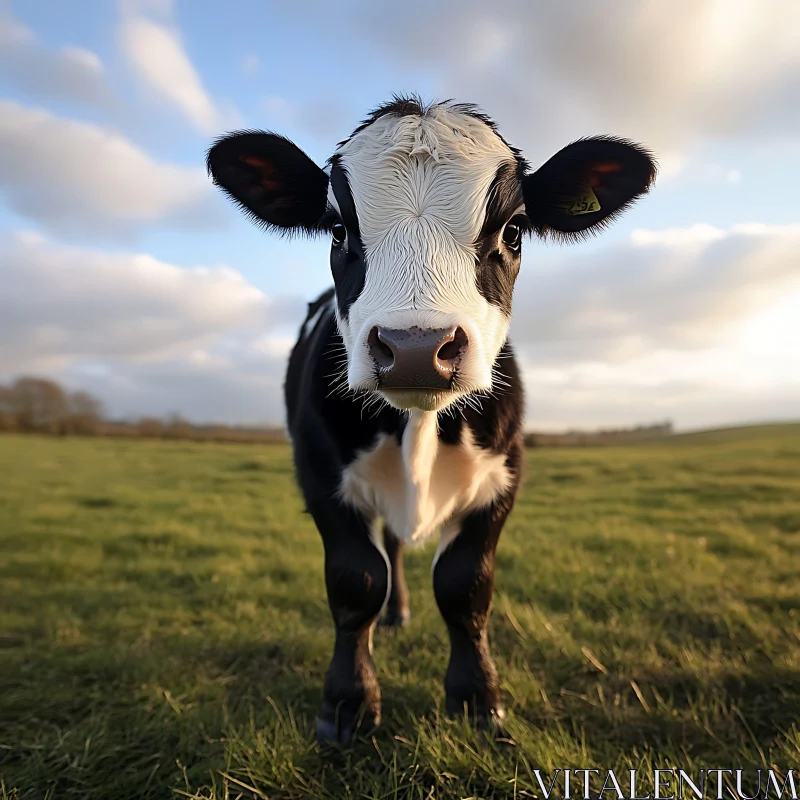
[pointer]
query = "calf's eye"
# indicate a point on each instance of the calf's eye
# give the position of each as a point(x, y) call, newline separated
point(512, 236)
point(338, 233)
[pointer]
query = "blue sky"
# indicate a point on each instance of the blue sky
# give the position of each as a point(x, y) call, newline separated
point(128, 274)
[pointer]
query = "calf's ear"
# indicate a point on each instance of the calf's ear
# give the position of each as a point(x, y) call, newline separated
point(271, 179)
point(586, 185)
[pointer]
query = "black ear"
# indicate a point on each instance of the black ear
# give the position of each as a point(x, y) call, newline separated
point(271, 178)
point(586, 185)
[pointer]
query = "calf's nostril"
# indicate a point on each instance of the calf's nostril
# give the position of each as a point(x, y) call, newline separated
point(450, 350)
point(382, 354)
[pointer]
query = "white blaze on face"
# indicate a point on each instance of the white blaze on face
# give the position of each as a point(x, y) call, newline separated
point(420, 187)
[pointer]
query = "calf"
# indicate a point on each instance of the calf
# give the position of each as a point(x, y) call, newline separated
point(403, 395)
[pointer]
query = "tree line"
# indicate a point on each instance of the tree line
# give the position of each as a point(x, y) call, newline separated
point(610, 436)
point(40, 405)
point(36, 405)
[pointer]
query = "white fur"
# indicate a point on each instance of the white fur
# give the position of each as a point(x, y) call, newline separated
point(423, 484)
point(446, 538)
point(420, 187)
point(377, 539)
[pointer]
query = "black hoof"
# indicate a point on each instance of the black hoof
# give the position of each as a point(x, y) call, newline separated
point(395, 619)
point(328, 731)
point(342, 731)
point(491, 722)
point(493, 725)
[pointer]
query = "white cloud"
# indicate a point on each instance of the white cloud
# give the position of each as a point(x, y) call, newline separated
point(145, 336)
point(156, 52)
point(752, 374)
point(202, 393)
point(733, 176)
point(616, 401)
point(270, 345)
point(154, 337)
point(717, 173)
point(70, 303)
point(73, 176)
point(668, 74)
point(69, 73)
point(12, 31)
point(694, 236)
point(676, 289)
point(670, 164)
point(700, 325)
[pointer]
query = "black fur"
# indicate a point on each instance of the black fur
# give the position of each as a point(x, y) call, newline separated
point(497, 265)
point(348, 263)
point(497, 270)
point(356, 578)
point(463, 583)
point(504, 198)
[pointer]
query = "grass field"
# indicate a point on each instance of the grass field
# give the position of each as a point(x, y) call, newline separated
point(164, 630)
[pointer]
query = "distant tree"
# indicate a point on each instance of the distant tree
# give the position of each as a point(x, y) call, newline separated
point(150, 426)
point(7, 419)
point(178, 428)
point(84, 404)
point(41, 405)
point(38, 404)
point(85, 414)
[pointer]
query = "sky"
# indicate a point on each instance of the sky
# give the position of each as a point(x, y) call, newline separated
point(124, 272)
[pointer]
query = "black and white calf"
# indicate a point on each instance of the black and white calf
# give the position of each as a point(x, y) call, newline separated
point(404, 399)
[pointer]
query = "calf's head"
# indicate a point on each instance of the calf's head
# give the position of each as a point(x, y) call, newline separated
point(426, 208)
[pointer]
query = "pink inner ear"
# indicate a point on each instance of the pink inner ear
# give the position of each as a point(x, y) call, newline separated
point(601, 168)
point(267, 173)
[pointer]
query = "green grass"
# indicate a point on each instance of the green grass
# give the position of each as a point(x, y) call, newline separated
point(164, 630)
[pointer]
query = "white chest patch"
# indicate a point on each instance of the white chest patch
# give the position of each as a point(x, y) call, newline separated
point(422, 484)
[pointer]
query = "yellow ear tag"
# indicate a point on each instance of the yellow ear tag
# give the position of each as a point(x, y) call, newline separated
point(587, 204)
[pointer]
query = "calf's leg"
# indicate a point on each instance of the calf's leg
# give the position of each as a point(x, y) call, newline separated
point(463, 582)
point(357, 580)
point(397, 613)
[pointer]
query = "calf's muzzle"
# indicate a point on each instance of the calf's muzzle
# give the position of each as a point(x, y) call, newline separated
point(417, 358)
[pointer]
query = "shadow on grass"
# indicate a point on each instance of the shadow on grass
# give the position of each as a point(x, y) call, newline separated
point(675, 711)
point(127, 721)
point(133, 721)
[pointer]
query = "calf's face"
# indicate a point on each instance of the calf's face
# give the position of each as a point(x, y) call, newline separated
point(426, 209)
